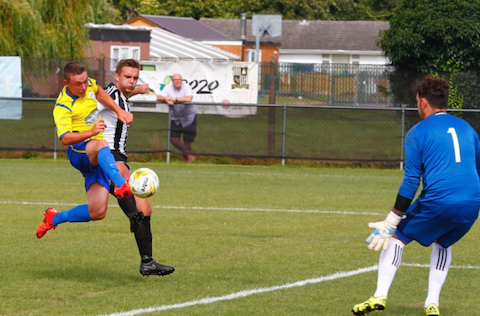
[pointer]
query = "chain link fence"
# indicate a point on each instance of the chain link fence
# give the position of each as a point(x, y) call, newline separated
point(331, 113)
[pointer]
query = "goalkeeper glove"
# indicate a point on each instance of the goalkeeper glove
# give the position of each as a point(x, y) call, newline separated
point(383, 232)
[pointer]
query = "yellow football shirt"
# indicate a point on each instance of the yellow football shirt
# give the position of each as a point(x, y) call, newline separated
point(74, 114)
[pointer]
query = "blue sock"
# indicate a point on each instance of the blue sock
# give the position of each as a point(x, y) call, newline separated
point(109, 165)
point(75, 215)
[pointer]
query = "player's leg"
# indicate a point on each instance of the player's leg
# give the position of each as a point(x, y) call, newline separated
point(389, 262)
point(388, 265)
point(143, 237)
point(95, 178)
point(99, 153)
point(440, 261)
point(439, 264)
point(95, 210)
point(128, 204)
point(97, 196)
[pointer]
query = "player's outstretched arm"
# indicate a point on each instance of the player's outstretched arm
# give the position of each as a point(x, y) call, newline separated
point(141, 89)
point(106, 99)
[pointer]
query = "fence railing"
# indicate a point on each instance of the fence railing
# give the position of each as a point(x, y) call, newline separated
point(332, 84)
point(281, 131)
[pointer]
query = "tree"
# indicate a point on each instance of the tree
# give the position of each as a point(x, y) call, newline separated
point(18, 22)
point(289, 9)
point(427, 35)
point(368, 10)
point(434, 37)
point(48, 28)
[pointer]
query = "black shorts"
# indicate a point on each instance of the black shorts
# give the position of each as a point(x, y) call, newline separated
point(120, 157)
point(189, 132)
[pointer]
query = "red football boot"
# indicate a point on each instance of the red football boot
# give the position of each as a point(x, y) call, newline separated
point(47, 222)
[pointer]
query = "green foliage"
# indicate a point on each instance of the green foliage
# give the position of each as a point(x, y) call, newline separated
point(452, 67)
point(18, 21)
point(434, 37)
point(425, 35)
point(48, 28)
point(55, 28)
point(289, 9)
point(366, 10)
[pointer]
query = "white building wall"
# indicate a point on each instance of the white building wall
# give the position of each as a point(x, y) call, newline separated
point(318, 58)
point(374, 60)
point(301, 58)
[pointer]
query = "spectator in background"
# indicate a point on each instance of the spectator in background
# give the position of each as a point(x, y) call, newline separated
point(183, 116)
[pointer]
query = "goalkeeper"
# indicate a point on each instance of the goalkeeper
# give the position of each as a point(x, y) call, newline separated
point(444, 152)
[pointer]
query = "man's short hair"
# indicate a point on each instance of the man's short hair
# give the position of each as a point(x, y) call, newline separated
point(435, 90)
point(73, 68)
point(127, 63)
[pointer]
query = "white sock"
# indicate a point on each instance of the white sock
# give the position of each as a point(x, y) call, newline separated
point(439, 265)
point(388, 264)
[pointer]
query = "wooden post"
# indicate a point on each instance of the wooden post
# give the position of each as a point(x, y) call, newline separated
point(271, 110)
point(101, 70)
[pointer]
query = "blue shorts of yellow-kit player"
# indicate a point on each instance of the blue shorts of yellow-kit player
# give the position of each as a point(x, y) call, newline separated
point(93, 174)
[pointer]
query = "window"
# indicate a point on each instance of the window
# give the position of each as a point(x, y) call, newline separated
point(355, 60)
point(123, 52)
point(251, 55)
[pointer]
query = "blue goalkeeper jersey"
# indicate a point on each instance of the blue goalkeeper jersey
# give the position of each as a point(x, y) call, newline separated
point(443, 151)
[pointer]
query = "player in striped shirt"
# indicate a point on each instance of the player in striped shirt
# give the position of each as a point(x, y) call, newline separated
point(138, 210)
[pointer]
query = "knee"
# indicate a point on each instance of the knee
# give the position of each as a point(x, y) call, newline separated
point(102, 143)
point(144, 206)
point(97, 213)
point(95, 145)
point(147, 211)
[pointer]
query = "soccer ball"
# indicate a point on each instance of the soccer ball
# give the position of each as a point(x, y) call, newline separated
point(144, 182)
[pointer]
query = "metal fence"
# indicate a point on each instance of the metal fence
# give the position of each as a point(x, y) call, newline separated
point(334, 113)
point(327, 84)
point(282, 131)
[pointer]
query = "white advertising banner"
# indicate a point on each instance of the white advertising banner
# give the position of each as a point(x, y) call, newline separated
point(11, 87)
point(211, 83)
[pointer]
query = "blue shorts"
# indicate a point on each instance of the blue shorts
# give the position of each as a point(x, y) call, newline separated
point(424, 229)
point(78, 158)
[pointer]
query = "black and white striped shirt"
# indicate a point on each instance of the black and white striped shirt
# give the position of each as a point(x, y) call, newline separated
point(116, 132)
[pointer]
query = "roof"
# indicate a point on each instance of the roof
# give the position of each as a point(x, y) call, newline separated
point(312, 35)
point(167, 46)
point(185, 26)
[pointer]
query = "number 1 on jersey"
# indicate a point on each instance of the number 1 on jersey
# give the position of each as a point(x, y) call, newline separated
point(456, 146)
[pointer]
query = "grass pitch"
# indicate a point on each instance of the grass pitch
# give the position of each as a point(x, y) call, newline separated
point(245, 240)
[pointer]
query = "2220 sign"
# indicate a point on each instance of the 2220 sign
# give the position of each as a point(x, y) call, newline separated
point(203, 86)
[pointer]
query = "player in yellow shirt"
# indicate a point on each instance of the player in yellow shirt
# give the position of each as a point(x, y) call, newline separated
point(80, 127)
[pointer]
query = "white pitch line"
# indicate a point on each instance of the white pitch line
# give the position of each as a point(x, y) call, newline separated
point(421, 265)
point(241, 294)
point(208, 208)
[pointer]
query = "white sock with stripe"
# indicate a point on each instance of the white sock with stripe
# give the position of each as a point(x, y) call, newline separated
point(388, 265)
point(439, 265)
